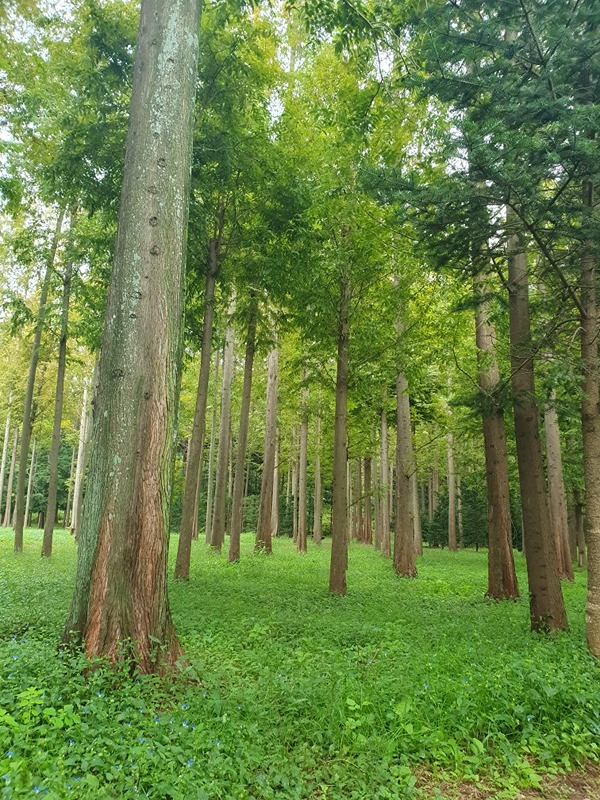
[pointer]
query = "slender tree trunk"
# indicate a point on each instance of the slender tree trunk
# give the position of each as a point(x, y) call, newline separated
point(318, 504)
point(301, 543)
point(502, 578)
point(404, 546)
point(237, 504)
point(67, 517)
point(451, 494)
point(418, 532)
point(459, 513)
point(263, 540)
point(545, 597)
point(120, 607)
point(368, 528)
point(30, 483)
point(27, 406)
point(359, 513)
point(384, 487)
point(430, 496)
point(590, 417)
point(9, 487)
point(58, 407)
point(217, 535)
point(275, 503)
point(189, 511)
point(295, 498)
point(339, 542)
point(377, 503)
point(556, 491)
point(210, 483)
point(4, 456)
point(84, 425)
point(579, 531)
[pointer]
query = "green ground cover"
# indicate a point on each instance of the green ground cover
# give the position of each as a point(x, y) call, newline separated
point(291, 693)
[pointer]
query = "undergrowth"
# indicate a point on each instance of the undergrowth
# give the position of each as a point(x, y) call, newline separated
point(295, 694)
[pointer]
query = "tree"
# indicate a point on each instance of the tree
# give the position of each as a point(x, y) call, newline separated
point(120, 598)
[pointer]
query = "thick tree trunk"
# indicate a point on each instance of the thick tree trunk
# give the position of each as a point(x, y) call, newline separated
point(556, 492)
point(451, 494)
point(590, 418)
point(217, 534)
point(384, 488)
point(210, 483)
point(367, 527)
point(264, 528)
point(301, 544)
point(318, 504)
point(30, 483)
point(339, 541)
point(404, 546)
point(120, 608)
point(4, 456)
point(545, 597)
point(237, 504)
point(58, 407)
point(189, 511)
point(9, 486)
point(28, 404)
point(502, 578)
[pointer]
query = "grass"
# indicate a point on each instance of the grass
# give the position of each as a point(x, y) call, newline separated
point(395, 691)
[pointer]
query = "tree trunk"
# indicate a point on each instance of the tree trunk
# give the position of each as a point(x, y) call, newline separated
point(82, 448)
point(67, 517)
point(384, 488)
point(579, 532)
point(360, 518)
point(545, 597)
point(459, 513)
point(264, 529)
point(451, 494)
point(556, 491)
point(237, 504)
point(502, 578)
point(418, 532)
point(368, 528)
point(4, 456)
point(58, 407)
point(301, 544)
point(318, 503)
point(404, 545)
point(30, 483)
point(120, 607)
point(210, 483)
point(27, 406)
point(377, 503)
point(189, 510)
point(339, 542)
point(217, 534)
point(590, 418)
point(275, 503)
point(295, 497)
point(9, 486)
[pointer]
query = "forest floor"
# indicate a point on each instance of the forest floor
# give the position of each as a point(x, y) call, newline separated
point(409, 689)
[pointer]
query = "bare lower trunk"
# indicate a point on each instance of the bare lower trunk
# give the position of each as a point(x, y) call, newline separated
point(275, 503)
point(301, 544)
point(28, 404)
point(30, 483)
point(384, 488)
point(264, 528)
point(210, 483)
point(404, 546)
point(189, 511)
point(358, 504)
point(9, 486)
point(451, 494)
point(84, 436)
point(339, 542)
point(120, 608)
point(67, 517)
point(556, 492)
point(459, 513)
point(579, 533)
point(546, 603)
point(418, 533)
point(4, 456)
point(377, 503)
point(368, 529)
point(295, 498)
point(318, 504)
point(217, 534)
point(502, 579)
point(235, 529)
point(58, 407)
point(590, 418)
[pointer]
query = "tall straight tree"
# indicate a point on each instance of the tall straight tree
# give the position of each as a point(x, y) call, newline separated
point(28, 404)
point(58, 408)
point(264, 528)
point(302, 465)
point(404, 545)
point(120, 607)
